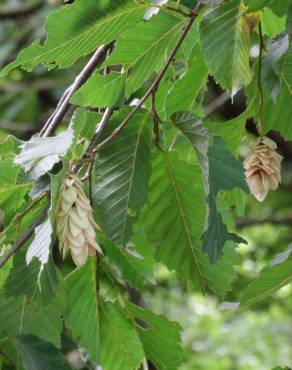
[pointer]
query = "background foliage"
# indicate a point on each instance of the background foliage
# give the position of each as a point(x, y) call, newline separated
point(191, 276)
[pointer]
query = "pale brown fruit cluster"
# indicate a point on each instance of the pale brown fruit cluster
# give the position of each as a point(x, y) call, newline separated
point(75, 224)
point(263, 168)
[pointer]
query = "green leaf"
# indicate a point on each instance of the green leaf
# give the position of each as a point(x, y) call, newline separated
point(9, 353)
point(254, 5)
point(9, 146)
point(175, 221)
point(280, 7)
point(21, 222)
point(76, 30)
point(225, 172)
point(231, 131)
point(22, 279)
point(122, 173)
point(4, 272)
point(278, 73)
point(84, 124)
point(12, 198)
point(25, 279)
point(101, 91)
point(154, 330)
point(272, 25)
point(9, 172)
point(272, 65)
point(218, 167)
point(183, 95)
point(198, 136)
point(277, 115)
point(270, 280)
point(136, 261)
point(82, 312)
point(39, 355)
point(287, 61)
point(121, 348)
point(146, 52)
point(23, 316)
point(225, 38)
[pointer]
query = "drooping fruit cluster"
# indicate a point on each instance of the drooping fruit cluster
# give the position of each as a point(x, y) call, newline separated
point(263, 168)
point(75, 224)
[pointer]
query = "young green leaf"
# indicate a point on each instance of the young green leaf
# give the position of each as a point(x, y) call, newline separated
point(121, 348)
point(122, 175)
point(76, 30)
point(82, 311)
point(270, 280)
point(142, 56)
point(156, 329)
point(225, 38)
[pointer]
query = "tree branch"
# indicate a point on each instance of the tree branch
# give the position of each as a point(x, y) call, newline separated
point(18, 126)
point(245, 222)
point(156, 82)
point(20, 242)
point(20, 12)
point(64, 103)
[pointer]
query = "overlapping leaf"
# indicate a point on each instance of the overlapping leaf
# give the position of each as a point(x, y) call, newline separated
point(122, 174)
point(183, 95)
point(23, 316)
point(158, 329)
point(142, 56)
point(225, 37)
point(255, 5)
point(9, 172)
point(225, 172)
point(101, 91)
point(135, 261)
point(175, 221)
point(12, 198)
point(270, 280)
point(39, 355)
point(121, 348)
point(82, 312)
point(76, 30)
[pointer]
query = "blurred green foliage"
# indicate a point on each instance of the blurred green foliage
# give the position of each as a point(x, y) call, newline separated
point(258, 338)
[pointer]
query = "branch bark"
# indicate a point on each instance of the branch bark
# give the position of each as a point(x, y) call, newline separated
point(246, 222)
point(64, 103)
point(20, 242)
point(20, 12)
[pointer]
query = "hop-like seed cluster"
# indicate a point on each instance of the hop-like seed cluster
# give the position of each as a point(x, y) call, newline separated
point(75, 224)
point(263, 168)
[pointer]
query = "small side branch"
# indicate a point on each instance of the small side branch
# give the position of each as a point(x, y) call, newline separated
point(17, 246)
point(156, 120)
point(158, 78)
point(259, 81)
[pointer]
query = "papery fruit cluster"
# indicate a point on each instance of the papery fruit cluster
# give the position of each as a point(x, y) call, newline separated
point(76, 227)
point(263, 168)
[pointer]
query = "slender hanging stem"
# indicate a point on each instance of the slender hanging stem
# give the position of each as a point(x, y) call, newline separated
point(259, 81)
